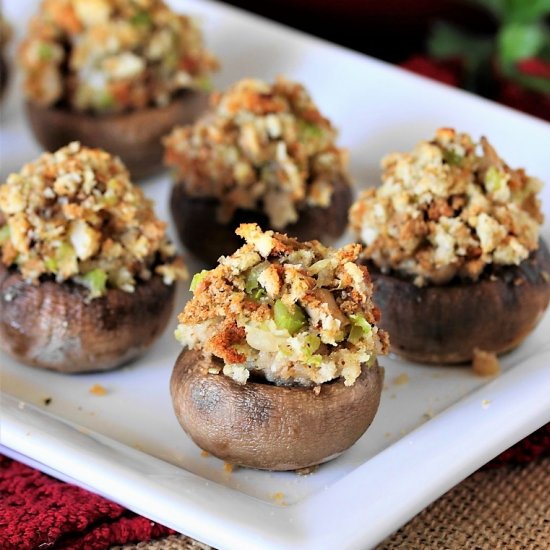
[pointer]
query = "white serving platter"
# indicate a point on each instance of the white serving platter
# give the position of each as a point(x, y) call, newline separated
point(430, 432)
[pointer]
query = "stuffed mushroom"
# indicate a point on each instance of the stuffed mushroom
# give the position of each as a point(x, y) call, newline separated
point(113, 74)
point(279, 369)
point(265, 154)
point(86, 272)
point(453, 246)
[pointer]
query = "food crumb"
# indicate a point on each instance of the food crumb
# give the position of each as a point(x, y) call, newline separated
point(387, 434)
point(428, 414)
point(228, 468)
point(308, 470)
point(485, 363)
point(279, 498)
point(485, 404)
point(317, 390)
point(47, 401)
point(205, 454)
point(402, 379)
point(98, 389)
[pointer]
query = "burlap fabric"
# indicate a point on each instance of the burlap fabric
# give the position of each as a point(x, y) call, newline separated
point(507, 508)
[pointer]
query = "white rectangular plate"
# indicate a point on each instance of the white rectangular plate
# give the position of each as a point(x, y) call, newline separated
point(429, 433)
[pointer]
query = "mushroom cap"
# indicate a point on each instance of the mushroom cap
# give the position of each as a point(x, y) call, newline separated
point(208, 239)
point(53, 325)
point(135, 136)
point(260, 425)
point(445, 323)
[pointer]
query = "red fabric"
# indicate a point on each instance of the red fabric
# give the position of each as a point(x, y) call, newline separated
point(37, 511)
point(448, 72)
point(507, 93)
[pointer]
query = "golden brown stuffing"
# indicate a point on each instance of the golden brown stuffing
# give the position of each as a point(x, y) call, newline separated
point(261, 146)
point(295, 313)
point(444, 210)
point(75, 215)
point(112, 55)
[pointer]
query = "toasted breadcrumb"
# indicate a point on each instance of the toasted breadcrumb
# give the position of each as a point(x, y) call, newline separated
point(310, 320)
point(444, 210)
point(261, 146)
point(228, 468)
point(402, 379)
point(98, 389)
point(205, 454)
point(75, 215)
point(109, 56)
point(485, 363)
point(279, 498)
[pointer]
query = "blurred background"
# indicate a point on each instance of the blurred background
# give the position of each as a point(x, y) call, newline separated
point(496, 48)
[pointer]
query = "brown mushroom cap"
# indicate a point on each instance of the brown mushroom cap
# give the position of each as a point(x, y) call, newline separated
point(260, 425)
point(444, 324)
point(136, 136)
point(207, 239)
point(51, 325)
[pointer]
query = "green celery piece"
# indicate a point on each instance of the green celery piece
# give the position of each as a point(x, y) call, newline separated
point(312, 345)
point(141, 19)
point(309, 130)
point(4, 233)
point(359, 327)
point(45, 51)
point(96, 281)
point(51, 264)
point(494, 179)
point(204, 84)
point(197, 278)
point(65, 254)
point(292, 321)
point(105, 100)
point(452, 158)
point(251, 284)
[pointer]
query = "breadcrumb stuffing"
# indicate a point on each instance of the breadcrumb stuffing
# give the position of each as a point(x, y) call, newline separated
point(485, 363)
point(98, 389)
point(110, 56)
point(260, 147)
point(75, 215)
point(402, 379)
point(445, 210)
point(290, 312)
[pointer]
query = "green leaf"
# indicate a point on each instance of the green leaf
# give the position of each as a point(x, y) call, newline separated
point(449, 42)
point(526, 11)
point(516, 11)
point(518, 41)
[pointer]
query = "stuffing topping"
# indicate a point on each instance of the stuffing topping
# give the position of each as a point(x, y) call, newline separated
point(291, 312)
point(447, 209)
point(75, 215)
point(260, 147)
point(110, 56)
